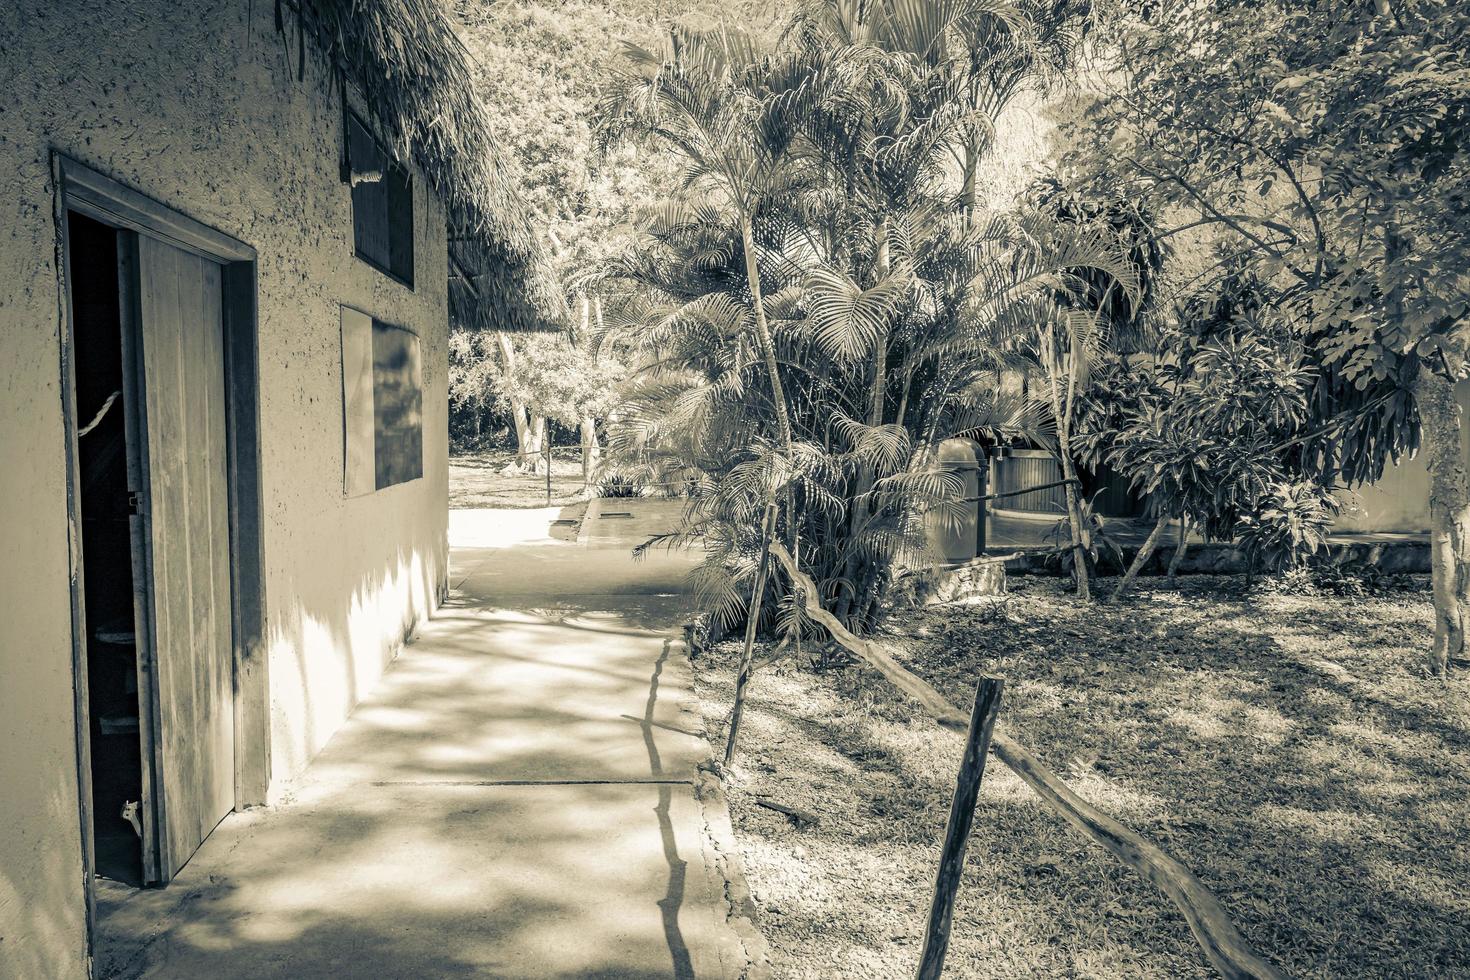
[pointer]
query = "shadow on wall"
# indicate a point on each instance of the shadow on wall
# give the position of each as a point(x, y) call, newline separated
point(323, 661)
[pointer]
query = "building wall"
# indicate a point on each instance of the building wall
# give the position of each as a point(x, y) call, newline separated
point(198, 106)
point(1399, 501)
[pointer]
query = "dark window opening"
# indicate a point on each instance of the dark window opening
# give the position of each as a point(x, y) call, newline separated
point(382, 404)
point(398, 423)
point(382, 204)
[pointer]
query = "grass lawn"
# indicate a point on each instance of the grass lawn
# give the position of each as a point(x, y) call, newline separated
point(1290, 750)
point(476, 480)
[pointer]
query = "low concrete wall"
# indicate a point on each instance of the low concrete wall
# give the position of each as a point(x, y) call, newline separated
point(1389, 557)
point(197, 106)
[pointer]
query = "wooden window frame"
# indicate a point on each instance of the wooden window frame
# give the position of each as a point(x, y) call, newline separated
point(353, 488)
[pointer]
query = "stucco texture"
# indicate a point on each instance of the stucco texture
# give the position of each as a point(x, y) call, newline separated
point(197, 106)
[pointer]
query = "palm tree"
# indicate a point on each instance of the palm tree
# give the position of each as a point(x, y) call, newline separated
point(819, 309)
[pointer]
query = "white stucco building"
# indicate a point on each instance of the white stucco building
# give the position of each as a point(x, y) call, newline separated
point(232, 243)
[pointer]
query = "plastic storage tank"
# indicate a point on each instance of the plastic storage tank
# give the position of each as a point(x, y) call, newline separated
point(956, 542)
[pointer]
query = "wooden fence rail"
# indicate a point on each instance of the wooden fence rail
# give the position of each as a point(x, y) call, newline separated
point(1223, 945)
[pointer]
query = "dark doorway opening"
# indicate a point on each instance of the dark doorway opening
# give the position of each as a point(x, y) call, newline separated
point(103, 394)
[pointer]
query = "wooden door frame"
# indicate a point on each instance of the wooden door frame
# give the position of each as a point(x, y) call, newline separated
point(84, 190)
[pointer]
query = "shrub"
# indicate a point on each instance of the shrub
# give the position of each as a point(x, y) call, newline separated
point(1289, 527)
point(620, 485)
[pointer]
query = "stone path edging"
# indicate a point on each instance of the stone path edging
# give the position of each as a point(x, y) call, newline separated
point(740, 907)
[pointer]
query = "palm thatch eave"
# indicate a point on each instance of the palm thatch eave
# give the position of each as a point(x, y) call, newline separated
point(415, 75)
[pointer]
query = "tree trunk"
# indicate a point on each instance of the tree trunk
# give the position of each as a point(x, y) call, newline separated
point(528, 441)
point(1062, 411)
point(1074, 517)
point(1179, 549)
point(1140, 559)
point(1081, 534)
point(752, 621)
point(967, 182)
point(1449, 517)
point(763, 335)
point(768, 353)
point(591, 451)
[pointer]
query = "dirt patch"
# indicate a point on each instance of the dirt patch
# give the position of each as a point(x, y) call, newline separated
point(479, 480)
point(1290, 750)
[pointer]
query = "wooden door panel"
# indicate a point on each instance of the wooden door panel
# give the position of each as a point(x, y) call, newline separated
point(184, 404)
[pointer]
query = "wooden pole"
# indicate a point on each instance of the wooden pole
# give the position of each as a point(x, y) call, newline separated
point(547, 441)
point(957, 833)
point(752, 616)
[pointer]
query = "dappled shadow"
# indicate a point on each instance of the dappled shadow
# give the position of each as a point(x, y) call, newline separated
point(327, 651)
point(414, 882)
point(1289, 751)
point(512, 801)
point(507, 695)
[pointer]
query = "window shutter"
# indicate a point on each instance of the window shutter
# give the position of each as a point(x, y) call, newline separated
point(399, 208)
point(382, 204)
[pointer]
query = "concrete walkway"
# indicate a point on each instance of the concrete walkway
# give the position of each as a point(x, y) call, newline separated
point(516, 799)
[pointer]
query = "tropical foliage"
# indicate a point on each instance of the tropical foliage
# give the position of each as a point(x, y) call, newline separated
point(1322, 144)
point(826, 302)
point(1289, 527)
point(540, 66)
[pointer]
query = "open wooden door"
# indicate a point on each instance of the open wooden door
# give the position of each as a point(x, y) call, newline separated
point(187, 537)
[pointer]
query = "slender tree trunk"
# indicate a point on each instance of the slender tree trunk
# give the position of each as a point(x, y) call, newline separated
point(591, 451)
point(537, 447)
point(1179, 549)
point(1069, 470)
point(861, 506)
point(768, 353)
point(752, 621)
point(1062, 411)
point(906, 371)
point(1140, 559)
point(880, 348)
point(1074, 515)
point(1449, 517)
point(967, 185)
point(528, 442)
point(763, 335)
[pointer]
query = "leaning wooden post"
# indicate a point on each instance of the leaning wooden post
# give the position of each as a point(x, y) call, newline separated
point(957, 834)
point(752, 616)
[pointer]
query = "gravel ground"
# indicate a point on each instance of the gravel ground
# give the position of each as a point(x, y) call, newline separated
point(1289, 749)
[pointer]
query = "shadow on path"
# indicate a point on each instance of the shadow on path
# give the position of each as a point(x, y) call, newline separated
point(485, 812)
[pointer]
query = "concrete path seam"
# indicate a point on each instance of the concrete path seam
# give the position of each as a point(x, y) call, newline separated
point(591, 514)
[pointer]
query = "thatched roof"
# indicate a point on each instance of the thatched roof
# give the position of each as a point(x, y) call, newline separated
point(415, 74)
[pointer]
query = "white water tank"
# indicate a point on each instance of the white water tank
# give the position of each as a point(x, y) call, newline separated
point(954, 536)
